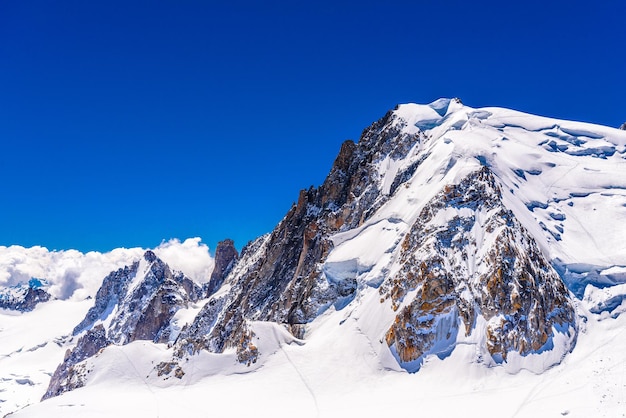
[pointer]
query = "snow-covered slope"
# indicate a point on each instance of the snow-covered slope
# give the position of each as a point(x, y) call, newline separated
point(35, 334)
point(32, 344)
point(455, 260)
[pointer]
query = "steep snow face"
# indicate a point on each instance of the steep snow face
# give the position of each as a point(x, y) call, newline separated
point(563, 185)
point(466, 272)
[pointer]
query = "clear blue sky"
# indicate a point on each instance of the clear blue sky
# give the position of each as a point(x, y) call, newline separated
point(123, 123)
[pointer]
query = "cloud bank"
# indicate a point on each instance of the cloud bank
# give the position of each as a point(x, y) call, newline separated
point(76, 275)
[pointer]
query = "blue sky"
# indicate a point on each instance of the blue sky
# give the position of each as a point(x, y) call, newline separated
point(123, 124)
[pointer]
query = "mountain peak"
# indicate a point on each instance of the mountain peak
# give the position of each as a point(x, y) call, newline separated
point(444, 106)
point(137, 302)
point(23, 297)
point(226, 256)
point(149, 256)
point(420, 117)
point(480, 241)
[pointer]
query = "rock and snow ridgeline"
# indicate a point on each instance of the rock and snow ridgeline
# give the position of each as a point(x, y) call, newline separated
point(23, 297)
point(443, 225)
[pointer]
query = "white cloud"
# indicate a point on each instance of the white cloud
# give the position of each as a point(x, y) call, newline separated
point(191, 257)
point(76, 275)
point(71, 273)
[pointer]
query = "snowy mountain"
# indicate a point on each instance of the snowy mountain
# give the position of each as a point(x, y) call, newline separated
point(24, 297)
point(452, 252)
point(139, 302)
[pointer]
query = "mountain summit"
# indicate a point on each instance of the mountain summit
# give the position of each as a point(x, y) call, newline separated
point(485, 241)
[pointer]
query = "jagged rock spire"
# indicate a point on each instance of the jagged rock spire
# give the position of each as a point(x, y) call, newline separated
point(226, 256)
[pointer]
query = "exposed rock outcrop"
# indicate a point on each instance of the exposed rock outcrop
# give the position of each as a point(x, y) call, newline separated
point(27, 301)
point(113, 289)
point(458, 277)
point(278, 277)
point(137, 302)
point(24, 297)
point(70, 374)
point(226, 256)
point(468, 256)
point(142, 299)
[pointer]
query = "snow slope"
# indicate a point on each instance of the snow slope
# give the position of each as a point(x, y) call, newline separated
point(337, 372)
point(564, 181)
point(32, 344)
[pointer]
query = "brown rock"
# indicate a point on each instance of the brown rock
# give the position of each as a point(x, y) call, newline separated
point(519, 284)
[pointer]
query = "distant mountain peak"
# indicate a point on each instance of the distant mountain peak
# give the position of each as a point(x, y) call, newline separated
point(150, 256)
point(24, 297)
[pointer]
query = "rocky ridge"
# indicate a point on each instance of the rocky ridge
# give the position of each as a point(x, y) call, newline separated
point(278, 277)
point(466, 252)
point(137, 302)
point(24, 297)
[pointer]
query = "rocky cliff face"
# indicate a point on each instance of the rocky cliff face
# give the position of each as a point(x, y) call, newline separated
point(112, 291)
point(469, 257)
point(226, 257)
point(71, 374)
point(459, 274)
point(139, 300)
point(278, 277)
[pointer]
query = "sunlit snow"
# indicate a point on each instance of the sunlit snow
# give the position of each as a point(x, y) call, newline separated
point(564, 181)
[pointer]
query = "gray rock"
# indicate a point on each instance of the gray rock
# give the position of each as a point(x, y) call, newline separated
point(226, 256)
